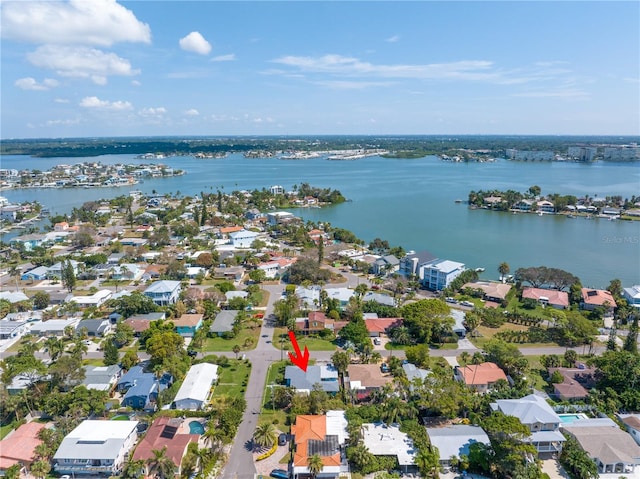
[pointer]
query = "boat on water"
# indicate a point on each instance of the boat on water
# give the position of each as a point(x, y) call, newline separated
point(540, 213)
point(571, 216)
point(458, 201)
point(479, 270)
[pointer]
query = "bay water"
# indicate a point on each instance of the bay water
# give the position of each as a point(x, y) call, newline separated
point(411, 203)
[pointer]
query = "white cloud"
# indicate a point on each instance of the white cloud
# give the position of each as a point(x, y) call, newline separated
point(96, 103)
point(62, 122)
point(153, 112)
point(393, 39)
point(349, 66)
point(570, 93)
point(351, 85)
point(81, 62)
point(95, 22)
point(135, 83)
point(224, 58)
point(29, 83)
point(61, 100)
point(195, 42)
point(192, 112)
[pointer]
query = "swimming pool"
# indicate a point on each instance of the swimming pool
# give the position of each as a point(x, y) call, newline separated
point(569, 418)
point(196, 427)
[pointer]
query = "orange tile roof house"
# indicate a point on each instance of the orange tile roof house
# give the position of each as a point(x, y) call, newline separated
point(379, 326)
point(492, 290)
point(593, 298)
point(551, 297)
point(166, 432)
point(324, 435)
point(480, 377)
point(18, 448)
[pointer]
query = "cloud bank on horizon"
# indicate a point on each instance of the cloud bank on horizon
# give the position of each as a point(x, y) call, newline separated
point(109, 68)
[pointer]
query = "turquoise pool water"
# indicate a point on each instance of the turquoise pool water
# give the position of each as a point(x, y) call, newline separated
point(196, 427)
point(569, 418)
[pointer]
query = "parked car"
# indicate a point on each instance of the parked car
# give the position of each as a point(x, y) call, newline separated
point(282, 439)
point(279, 474)
point(377, 341)
point(384, 367)
point(451, 300)
point(467, 303)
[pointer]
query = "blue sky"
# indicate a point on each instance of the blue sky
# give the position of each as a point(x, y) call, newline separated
point(105, 68)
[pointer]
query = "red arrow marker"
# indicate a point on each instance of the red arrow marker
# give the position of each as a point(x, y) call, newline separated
point(300, 360)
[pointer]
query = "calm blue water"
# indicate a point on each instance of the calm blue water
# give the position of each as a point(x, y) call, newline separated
point(196, 427)
point(411, 203)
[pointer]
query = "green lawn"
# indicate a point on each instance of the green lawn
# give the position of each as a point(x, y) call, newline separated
point(4, 430)
point(486, 333)
point(275, 375)
point(313, 343)
point(221, 344)
point(93, 362)
point(232, 378)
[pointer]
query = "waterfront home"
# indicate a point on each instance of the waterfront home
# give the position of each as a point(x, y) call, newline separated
point(535, 413)
point(411, 264)
point(387, 440)
point(224, 321)
point(598, 298)
point(547, 297)
point(438, 275)
point(613, 450)
point(546, 206)
point(62, 226)
point(493, 291)
point(94, 327)
point(164, 293)
point(480, 377)
point(455, 441)
point(96, 448)
point(187, 324)
point(10, 212)
point(365, 378)
point(325, 375)
point(523, 205)
point(195, 390)
point(19, 448)
point(376, 327)
point(101, 378)
point(171, 434)
point(632, 295)
point(576, 383)
point(324, 435)
point(29, 242)
point(279, 217)
point(386, 265)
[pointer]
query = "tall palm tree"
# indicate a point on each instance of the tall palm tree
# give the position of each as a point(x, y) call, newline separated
point(315, 465)
point(161, 465)
point(265, 435)
point(133, 469)
point(428, 462)
point(213, 435)
point(503, 269)
point(15, 272)
point(55, 347)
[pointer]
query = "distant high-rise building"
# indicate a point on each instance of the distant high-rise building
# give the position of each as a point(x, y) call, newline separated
point(582, 153)
point(622, 153)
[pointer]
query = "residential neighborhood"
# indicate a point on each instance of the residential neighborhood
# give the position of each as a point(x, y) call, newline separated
point(159, 341)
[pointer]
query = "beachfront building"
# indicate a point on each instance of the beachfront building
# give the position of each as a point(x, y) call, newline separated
point(438, 275)
point(412, 263)
point(598, 298)
point(96, 448)
point(547, 297)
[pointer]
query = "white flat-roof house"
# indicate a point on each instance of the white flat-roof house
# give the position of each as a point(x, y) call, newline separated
point(96, 448)
point(97, 299)
point(632, 295)
point(439, 275)
point(455, 440)
point(243, 238)
point(196, 387)
point(383, 440)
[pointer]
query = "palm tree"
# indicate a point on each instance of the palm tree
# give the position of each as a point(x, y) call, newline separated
point(161, 465)
point(315, 465)
point(427, 461)
point(40, 468)
point(133, 469)
point(14, 272)
point(503, 269)
point(236, 350)
point(55, 347)
point(265, 435)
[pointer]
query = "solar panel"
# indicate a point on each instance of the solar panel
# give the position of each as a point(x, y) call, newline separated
point(328, 447)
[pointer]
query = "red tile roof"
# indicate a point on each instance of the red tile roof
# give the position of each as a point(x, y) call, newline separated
point(552, 296)
point(481, 374)
point(382, 325)
point(19, 446)
point(310, 428)
point(165, 431)
point(598, 297)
